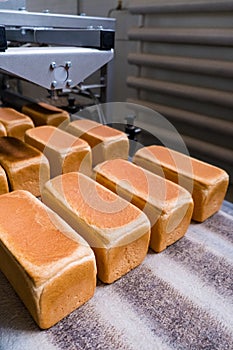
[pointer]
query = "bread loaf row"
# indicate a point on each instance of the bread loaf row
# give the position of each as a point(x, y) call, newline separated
point(107, 143)
point(63, 151)
point(206, 183)
point(98, 143)
point(46, 253)
point(50, 266)
point(14, 123)
point(119, 238)
point(22, 166)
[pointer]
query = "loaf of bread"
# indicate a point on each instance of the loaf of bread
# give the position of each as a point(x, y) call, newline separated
point(45, 114)
point(168, 206)
point(26, 167)
point(117, 231)
point(2, 130)
point(65, 152)
point(49, 265)
point(106, 142)
point(15, 123)
point(4, 188)
point(207, 183)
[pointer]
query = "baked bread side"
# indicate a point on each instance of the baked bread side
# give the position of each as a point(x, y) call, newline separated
point(45, 114)
point(65, 152)
point(168, 206)
point(26, 167)
point(207, 183)
point(106, 142)
point(50, 266)
point(117, 231)
point(15, 123)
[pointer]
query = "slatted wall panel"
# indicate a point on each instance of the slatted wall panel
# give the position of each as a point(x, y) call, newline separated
point(185, 71)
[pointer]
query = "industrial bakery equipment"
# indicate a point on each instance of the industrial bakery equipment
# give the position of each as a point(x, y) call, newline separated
point(56, 52)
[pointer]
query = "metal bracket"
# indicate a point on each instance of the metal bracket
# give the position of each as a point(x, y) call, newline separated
point(71, 65)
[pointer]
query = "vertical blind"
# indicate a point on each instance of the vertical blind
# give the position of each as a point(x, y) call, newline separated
point(185, 71)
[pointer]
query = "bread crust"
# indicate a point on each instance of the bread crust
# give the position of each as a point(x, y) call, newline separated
point(50, 290)
point(207, 183)
point(26, 167)
point(115, 262)
point(15, 123)
point(168, 206)
point(111, 233)
point(65, 152)
point(44, 114)
point(105, 142)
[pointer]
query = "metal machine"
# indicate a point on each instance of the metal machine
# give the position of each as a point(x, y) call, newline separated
point(56, 52)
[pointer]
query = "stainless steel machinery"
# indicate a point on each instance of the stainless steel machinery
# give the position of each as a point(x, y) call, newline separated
point(56, 52)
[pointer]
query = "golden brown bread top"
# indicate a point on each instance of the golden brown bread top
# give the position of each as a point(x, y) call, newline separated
point(10, 116)
point(182, 164)
point(45, 108)
point(52, 108)
point(37, 238)
point(94, 203)
point(94, 132)
point(140, 182)
point(53, 137)
point(43, 113)
point(14, 150)
point(30, 231)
